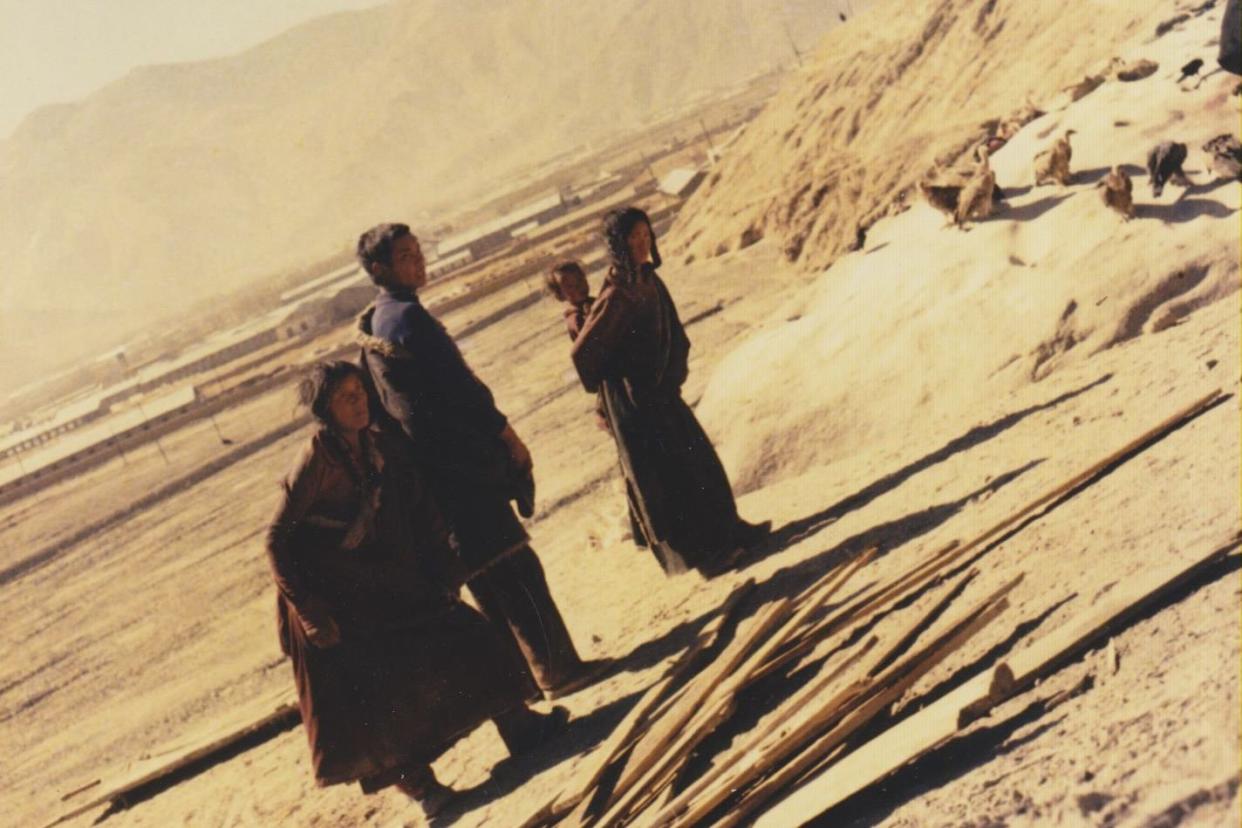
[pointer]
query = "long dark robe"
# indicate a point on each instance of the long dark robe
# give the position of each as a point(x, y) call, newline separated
point(634, 351)
point(575, 320)
point(415, 668)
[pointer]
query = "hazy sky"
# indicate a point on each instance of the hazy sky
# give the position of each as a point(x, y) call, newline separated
point(53, 51)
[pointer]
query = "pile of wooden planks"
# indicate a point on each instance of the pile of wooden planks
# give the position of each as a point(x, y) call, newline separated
point(630, 778)
point(828, 740)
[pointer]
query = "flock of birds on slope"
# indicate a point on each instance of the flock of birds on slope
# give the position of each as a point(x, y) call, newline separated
point(975, 198)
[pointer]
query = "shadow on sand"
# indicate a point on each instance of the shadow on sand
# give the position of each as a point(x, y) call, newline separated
point(989, 742)
point(802, 528)
point(1028, 212)
point(508, 775)
point(1183, 210)
point(1096, 174)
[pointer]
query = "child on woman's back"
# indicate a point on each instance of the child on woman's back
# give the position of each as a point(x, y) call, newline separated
point(567, 281)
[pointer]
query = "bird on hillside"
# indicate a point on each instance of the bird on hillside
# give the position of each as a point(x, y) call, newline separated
point(1084, 87)
point(1052, 165)
point(1226, 153)
point(1117, 192)
point(1164, 164)
point(975, 199)
point(944, 197)
point(1190, 69)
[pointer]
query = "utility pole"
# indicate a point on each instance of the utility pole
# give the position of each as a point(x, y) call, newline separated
point(650, 171)
point(792, 44)
point(142, 411)
point(707, 135)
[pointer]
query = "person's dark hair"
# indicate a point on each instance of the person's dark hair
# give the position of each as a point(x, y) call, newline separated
point(617, 227)
point(552, 279)
point(375, 248)
point(316, 388)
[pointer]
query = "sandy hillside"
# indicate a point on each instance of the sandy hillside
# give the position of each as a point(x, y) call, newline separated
point(914, 393)
point(925, 322)
point(882, 101)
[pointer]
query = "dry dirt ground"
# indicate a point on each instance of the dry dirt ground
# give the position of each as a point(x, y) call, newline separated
point(873, 404)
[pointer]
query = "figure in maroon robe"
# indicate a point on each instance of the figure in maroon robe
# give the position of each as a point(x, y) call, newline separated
point(634, 351)
point(391, 666)
point(567, 281)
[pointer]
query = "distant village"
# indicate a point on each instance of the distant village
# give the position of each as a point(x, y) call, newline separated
point(134, 402)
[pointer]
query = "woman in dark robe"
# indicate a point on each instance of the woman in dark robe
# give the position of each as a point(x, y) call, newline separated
point(633, 350)
point(567, 281)
point(391, 667)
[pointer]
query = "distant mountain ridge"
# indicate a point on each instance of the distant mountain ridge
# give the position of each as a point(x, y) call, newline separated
point(181, 181)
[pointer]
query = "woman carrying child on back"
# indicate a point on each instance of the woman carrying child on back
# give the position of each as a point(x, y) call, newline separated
point(633, 350)
point(567, 282)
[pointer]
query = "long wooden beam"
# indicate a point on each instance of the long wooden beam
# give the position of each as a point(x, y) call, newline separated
point(761, 751)
point(719, 705)
point(272, 710)
point(925, 571)
point(894, 683)
point(653, 753)
point(937, 723)
point(606, 753)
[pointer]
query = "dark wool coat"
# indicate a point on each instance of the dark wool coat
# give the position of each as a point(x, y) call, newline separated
point(415, 668)
point(424, 384)
point(634, 350)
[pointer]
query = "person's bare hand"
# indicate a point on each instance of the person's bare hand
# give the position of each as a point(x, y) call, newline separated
point(517, 449)
point(324, 635)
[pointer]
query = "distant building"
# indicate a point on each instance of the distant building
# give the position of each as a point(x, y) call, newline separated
point(443, 267)
point(488, 237)
point(321, 312)
point(682, 181)
point(58, 452)
point(345, 275)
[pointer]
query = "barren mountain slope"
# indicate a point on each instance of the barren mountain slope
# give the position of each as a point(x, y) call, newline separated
point(184, 181)
point(886, 96)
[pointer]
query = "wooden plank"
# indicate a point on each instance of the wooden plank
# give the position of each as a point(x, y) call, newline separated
point(1129, 598)
point(796, 712)
point(879, 679)
point(661, 774)
point(897, 680)
point(930, 568)
point(215, 738)
point(651, 755)
point(754, 668)
point(911, 635)
point(623, 735)
point(937, 723)
point(719, 706)
point(744, 764)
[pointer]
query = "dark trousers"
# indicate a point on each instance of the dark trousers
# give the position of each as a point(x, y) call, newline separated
point(513, 594)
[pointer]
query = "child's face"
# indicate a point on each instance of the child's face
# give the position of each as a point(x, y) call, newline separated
point(574, 287)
